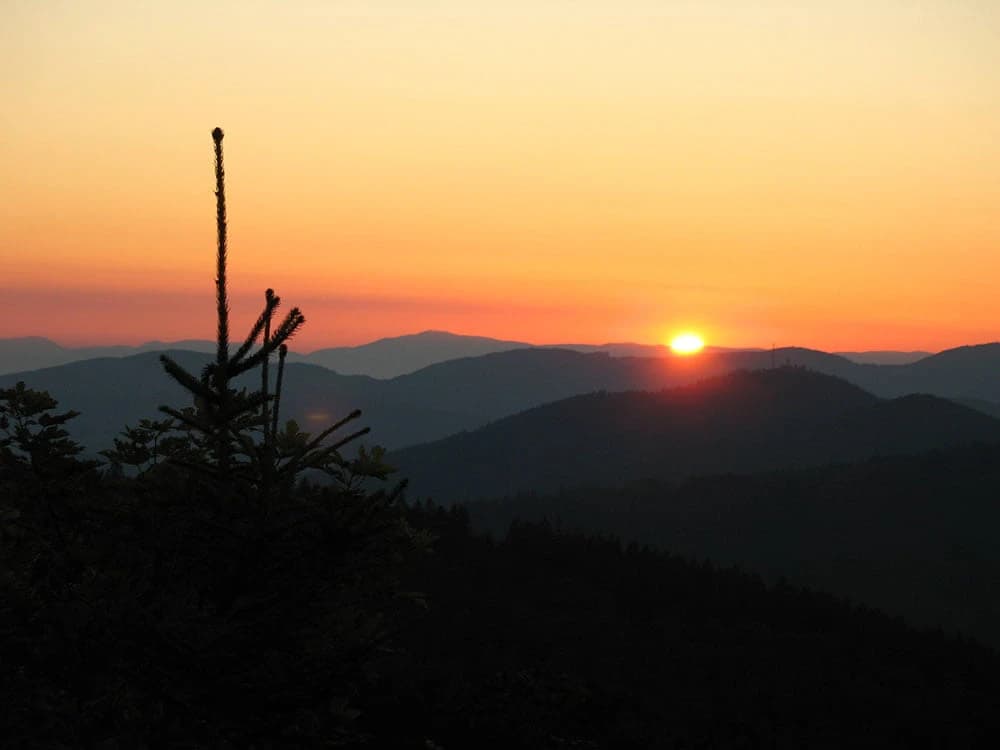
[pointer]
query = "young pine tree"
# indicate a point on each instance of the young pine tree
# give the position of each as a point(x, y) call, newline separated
point(34, 440)
point(240, 428)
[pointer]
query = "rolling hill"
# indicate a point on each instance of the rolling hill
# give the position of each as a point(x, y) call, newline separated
point(399, 355)
point(384, 359)
point(742, 422)
point(913, 535)
point(466, 393)
point(113, 392)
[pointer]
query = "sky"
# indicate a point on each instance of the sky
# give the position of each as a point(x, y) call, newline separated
point(809, 173)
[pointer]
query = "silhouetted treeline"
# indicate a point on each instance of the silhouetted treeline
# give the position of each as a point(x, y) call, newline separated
point(140, 614)
point(552, 640)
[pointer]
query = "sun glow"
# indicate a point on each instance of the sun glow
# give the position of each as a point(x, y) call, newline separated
point(687, 343)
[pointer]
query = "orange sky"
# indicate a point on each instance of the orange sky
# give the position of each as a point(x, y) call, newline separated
point(810, 173)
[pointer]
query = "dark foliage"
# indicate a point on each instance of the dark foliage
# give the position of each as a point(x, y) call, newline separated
point(176, 621)
point(553, 640)
point(159, 618)
point(33, 439)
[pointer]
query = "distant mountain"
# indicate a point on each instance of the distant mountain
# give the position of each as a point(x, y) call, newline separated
point(112, 392)
point(742, 422)
point(968, 372)
point(883, 357)
point(35, 352)
point(399, 355)
point(965, 372)
point(467, 393)
point(386, 358)
point(427, 405)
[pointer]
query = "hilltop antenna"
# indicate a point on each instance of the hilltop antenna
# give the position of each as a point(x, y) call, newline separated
point(772, 356)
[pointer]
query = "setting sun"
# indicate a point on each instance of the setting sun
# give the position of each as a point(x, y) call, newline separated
point(687, 343)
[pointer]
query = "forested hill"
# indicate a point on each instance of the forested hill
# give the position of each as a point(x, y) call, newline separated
point(742, 422)
point(556, 640)
point(913, 535)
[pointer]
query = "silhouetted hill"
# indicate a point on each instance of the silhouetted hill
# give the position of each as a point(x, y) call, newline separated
point(112, 392)
point(426, 405)
point(912, 535)
point(35, 352)
point(141, 614)
point(742, 422)
point(469, 392)
point(385, 358)
point(556, 640)
point(884, 357)
point(398, 355)
point(504, 383)
point(966, 372)
point(986, 407)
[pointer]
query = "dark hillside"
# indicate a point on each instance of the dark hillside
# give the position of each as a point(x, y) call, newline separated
point(499, 384)
point(913, 535)
point(112, 392)
point(744, 422)
point(444, 398)
point(551, 640)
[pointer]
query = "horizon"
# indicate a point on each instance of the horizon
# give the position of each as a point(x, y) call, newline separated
point(599, 172)
point(709, 346)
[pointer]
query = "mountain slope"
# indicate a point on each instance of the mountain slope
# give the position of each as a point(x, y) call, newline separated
point(914, 535)
point(467, 393)
point(113, 392)
point(884, 357)
point(399, 355)
point(742, 422)
point(35, 353)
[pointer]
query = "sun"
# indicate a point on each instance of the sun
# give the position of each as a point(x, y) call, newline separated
point(687, 343)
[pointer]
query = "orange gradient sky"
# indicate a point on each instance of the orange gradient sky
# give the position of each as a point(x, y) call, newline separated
point(812, 173)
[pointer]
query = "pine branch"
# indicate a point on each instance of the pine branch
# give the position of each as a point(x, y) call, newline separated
point(191, 421)
point(349, 438)
point(292, 322)
point(188, 381)
point(315, 442)
point(282, 353)
point(262, 325)
point(242, 404)
point(289, 326)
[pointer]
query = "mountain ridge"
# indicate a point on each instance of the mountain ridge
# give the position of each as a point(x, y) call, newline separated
point(465, 393)
point(383, 358)
point(748, 421)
